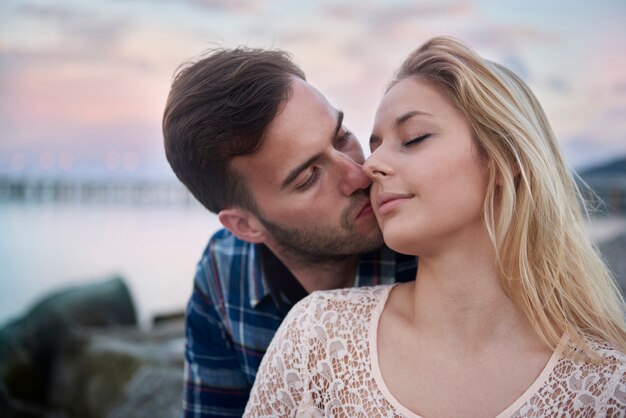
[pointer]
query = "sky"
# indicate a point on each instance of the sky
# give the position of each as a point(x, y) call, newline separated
point(83, 83)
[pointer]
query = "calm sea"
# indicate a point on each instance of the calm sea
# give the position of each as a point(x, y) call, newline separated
point(47, 246)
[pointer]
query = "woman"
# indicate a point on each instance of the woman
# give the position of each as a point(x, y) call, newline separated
point(512, 313)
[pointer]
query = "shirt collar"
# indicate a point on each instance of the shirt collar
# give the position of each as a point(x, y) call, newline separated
point(377, 267)
point(258, 289)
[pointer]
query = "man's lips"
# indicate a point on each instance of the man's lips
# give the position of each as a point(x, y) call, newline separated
point(388, 201)
point(365, 211)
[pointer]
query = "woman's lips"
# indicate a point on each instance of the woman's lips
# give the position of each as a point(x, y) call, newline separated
point(387, 202)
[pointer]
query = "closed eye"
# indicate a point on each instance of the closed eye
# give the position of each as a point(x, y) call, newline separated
point(416, 140)
point(343, 139)
point(310, 181)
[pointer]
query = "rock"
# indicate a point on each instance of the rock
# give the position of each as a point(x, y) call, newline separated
point(30, 345)
point(121, 373)
point(152, 393)
point(175, 316)
point(12, 408)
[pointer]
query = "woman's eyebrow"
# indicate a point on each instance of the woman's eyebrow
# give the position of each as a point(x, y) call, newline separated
point(408, 115)
point(400, 120)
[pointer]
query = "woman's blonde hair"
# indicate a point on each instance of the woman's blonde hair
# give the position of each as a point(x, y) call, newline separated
point(533, 208)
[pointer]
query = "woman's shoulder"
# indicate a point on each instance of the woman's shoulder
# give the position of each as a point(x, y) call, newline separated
point(608, 352)
point(603, 376)
point(353, 301)
point(582, 384)
point(607, 363)
point(350, 296)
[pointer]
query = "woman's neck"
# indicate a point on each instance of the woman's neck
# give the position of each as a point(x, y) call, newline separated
point(457, 298)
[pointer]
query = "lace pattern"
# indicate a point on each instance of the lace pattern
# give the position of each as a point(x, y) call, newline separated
point(318, 365)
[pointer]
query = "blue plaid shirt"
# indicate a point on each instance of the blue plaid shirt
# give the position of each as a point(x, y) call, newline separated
point(238, 303)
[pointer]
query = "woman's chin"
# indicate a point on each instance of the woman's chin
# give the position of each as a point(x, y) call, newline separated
point(400, 244)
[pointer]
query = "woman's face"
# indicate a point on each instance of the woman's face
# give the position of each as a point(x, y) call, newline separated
point(428, 183)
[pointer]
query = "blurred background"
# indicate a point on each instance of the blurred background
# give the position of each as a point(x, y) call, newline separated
point(99, 241)
point(85, 190)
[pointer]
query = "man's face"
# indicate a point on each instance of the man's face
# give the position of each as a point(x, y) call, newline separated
point(307, 182)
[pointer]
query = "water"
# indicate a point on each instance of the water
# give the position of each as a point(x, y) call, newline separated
point(44, 247)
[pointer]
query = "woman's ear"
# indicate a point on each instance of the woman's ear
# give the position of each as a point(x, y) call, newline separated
point(243, 224)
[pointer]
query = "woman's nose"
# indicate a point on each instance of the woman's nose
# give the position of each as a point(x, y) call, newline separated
point(375, 166)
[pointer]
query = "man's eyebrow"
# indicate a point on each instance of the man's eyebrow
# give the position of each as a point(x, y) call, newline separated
point(293, 174)
point(337, 127)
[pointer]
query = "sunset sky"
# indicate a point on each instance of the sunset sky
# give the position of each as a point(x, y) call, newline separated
point(83, 83)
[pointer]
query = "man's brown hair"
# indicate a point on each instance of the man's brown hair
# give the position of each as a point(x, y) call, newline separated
point(219, 107)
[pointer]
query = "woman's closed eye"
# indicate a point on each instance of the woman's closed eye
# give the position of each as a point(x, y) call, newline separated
point(415, 140)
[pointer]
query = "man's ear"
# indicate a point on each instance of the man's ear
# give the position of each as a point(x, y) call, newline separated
point(243, 224)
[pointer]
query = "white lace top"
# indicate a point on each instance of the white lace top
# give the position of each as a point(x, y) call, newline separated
point(323, 363)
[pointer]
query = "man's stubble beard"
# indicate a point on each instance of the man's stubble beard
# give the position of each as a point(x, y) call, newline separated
point(322, 243)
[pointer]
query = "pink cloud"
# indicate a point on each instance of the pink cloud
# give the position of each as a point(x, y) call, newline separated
point(495, 35)
point(241, 6)
point(47, 11)
point(390, 14)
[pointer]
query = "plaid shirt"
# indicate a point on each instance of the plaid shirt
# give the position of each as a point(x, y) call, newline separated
point(238, 302)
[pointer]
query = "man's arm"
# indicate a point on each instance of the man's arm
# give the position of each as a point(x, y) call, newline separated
point(215, 385)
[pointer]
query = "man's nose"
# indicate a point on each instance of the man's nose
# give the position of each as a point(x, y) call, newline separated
point(352, 178)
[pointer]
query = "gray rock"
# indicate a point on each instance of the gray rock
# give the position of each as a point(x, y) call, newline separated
point(121, 373)
point(152, 393)
point(30, 345)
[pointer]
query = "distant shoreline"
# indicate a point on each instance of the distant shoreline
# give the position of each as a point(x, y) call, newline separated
point(95, 192)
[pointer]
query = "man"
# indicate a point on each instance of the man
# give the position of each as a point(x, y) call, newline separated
point(259, 146)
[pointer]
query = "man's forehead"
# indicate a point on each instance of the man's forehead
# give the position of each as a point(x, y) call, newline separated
point(299, 87)
point(292, 139)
